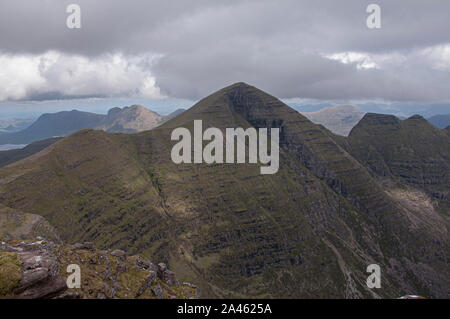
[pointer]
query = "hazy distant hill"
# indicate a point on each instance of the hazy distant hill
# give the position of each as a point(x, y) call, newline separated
point(308, 231)
point(339, 119)
point(440, 121)
point(130, 119)
point(171, 115)
point(52, 125)
point(8, 125)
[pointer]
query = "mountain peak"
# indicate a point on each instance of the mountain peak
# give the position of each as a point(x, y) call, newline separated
point(417, 117)
point(241, 89)
point(417, 121)
point(114, 111)
point(375, 118)
point(374, 121)
point(130, 119)
point(138, 107)
point(240, 85)
point(237, 105)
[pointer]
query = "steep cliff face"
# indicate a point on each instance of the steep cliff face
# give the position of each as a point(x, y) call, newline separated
point(308, 231)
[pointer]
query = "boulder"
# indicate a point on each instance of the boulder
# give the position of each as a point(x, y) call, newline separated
point(30, 278)
point(47, 289)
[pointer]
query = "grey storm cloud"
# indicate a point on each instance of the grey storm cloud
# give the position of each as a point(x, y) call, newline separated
point(187, 49)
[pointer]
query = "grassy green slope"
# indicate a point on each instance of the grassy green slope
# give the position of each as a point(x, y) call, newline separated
point(11, 156)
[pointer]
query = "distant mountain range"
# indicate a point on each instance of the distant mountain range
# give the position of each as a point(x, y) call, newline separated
point(8, 125)
point(440, 121)
point(131, 119)
point(337, 204)
point(401, 110)
point(339, 119)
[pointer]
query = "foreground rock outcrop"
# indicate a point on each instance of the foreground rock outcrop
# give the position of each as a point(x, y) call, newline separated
point(39, 269)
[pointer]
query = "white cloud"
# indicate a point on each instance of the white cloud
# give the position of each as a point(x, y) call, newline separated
point(362, 60)
point(439, 56)
point(63, 75)
point(291, 48)
point(18, 74)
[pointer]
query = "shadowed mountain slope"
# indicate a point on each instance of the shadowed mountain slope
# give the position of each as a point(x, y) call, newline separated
point(308, 231)
point(52, 125)
point(413, 152)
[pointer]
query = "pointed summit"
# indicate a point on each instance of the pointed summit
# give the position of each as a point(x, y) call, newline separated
point(238, 105)
point(416, 117)
point(242, 105)
point(370, 119)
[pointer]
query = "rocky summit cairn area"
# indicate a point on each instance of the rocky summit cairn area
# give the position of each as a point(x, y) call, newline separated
point(32, 269)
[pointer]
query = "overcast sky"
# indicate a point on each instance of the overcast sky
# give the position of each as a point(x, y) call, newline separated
point(186, 49)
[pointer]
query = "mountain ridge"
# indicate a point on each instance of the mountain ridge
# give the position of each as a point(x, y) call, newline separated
point(308, 231)
point(130, 119)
